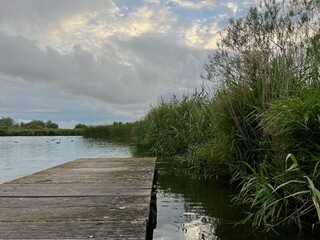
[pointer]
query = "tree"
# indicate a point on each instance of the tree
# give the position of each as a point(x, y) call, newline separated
point(80, 126)
point(6, 122)
point(35, 124)
point(267, 48)
point(50, 124)
point(269, 55)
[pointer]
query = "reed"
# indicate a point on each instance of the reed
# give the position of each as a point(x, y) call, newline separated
point(176, 125)
point(276, 198)
point(114, 132)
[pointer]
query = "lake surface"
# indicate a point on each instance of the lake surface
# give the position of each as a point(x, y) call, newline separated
point(20, 156)
point(188, 208)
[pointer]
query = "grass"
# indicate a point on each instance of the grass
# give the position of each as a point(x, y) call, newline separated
point(174, 126)
point(114, 132)
point(276, 198)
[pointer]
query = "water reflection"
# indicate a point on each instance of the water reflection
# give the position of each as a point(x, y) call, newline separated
point(201, 209)
point(186, 207)
point(200, 227)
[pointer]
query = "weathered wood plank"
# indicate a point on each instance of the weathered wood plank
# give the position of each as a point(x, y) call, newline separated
point(71, 190)
point(73, 230)
point(104, 198)
point(126, 208)
point(83, 177)
point(84, 170)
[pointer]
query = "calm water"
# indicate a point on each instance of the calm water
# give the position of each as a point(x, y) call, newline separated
point(20, 156)
point(187, 208)
point(190, 208)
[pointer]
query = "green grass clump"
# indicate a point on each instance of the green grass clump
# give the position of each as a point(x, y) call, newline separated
point(173, 127)
point(293, 125)
point(115, 132)
point(280, 198)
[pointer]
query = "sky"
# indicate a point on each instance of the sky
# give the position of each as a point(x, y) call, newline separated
point(103, 61)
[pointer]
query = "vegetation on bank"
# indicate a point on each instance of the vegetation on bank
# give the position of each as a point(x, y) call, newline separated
point(116, 132)
point(261, 126)
point(8, 127)
point(18, 131)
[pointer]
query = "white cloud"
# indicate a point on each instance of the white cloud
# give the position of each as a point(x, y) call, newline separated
point(195, 4)
point(203, 34)
point(232, 6)
point(153, 1)
point(50, 23)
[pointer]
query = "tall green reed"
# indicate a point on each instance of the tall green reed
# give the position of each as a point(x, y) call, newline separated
point(114, 132)
point(279, 197)
point(175, 125)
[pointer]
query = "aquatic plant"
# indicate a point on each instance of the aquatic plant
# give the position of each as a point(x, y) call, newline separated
point(276, 197)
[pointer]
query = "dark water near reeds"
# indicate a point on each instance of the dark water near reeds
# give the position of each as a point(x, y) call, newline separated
point(188, 208)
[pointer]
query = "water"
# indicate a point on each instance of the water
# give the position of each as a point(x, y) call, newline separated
point(188, 208)
point(191, 208)
point(20, 156)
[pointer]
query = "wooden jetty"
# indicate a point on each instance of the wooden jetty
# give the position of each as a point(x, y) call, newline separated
point(98, 198)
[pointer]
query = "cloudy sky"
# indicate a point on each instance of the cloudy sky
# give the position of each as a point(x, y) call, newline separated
point(100, 61)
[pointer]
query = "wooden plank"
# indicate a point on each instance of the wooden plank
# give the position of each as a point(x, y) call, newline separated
point(104, 198)
point(126, 208)
point(73, 230)
point(69, 190)
point(88, 177)
point(81, 170)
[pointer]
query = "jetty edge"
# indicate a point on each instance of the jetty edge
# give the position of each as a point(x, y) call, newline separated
point(88, 198)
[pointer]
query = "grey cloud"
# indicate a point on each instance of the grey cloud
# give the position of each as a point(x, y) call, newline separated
point(134, 70)
point(164, 60)
point(43, 10)
point(25, 101)
point(39, 19)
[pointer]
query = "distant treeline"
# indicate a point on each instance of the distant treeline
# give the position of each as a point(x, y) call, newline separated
point(39, 132)
point(8, 127)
